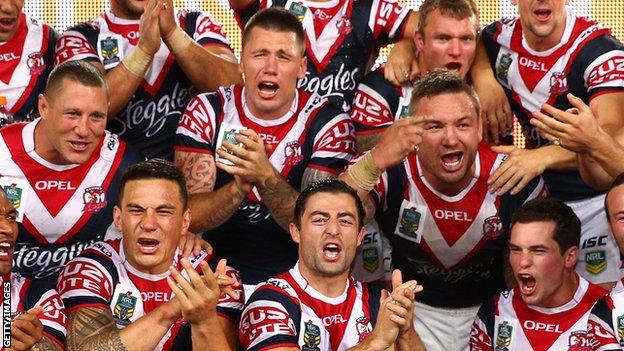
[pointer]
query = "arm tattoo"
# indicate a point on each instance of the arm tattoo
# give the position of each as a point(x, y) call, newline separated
point(367, 142)
point(310, 175)
point(199, 170)
point(45, 345)
point(93, 328)
point(279, 197)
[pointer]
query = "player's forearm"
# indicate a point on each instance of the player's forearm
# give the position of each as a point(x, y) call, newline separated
point(209, 337)
point(481, 68)
point(557, 158)
point(279, 198)
point(597, 167)
point(409, 341)
point(367, 141)
point(45, 344)
point(207, 69)
point(211, 209)
point(125, 78)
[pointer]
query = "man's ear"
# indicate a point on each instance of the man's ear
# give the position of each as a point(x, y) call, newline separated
point(117, 218)
point(43, 105)
point(570, 257)
point(294, 233)
point(360, 236)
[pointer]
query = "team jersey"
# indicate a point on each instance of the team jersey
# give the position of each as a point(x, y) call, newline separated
point(378, 103)
point(286, 311)
point(373, 258)
point(617, 323)
point(506, 323)
point(25, 63)
point(342, 38)
point(27, 293)
point(63, 208)
point(313, 134)
point(150, 118)
point(102, 277)
point(586, 63)
point(452, 245)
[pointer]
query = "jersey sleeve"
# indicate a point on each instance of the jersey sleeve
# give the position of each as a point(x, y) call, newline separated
point(600, 330)
point(483, 327)
point(73, 45)
point(374, 105)
point(334, 144)
point(87, 281)
point(205, 29)
point(52, 316)
point(270, 319)
point(196, 130)
point(603, 61)
point(388, 20)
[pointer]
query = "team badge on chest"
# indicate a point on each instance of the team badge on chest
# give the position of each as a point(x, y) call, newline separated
point(94, 199)
point(36, 63)
point(292, 153)
point(311, 337)
point(502, 68)
point(503, 336)
point(595, 261)
point(411, 219)
point(558, 83)
point(124, 308)
point(109, 51)
point(298, 10)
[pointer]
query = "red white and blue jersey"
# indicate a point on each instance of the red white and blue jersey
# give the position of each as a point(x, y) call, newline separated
point(27, 293)
point(587, 62)
point(452, 245)
point(102, 277)
point(25, 63)
point(65, 208)
point(378, 103)
point(287, 312)
point(617, 324)
point(312, 134)
point(150, 118)
point(506, 323)
point(342, 37)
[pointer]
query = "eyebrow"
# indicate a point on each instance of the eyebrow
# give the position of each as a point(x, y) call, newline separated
point(159, 207)
point(340, 214)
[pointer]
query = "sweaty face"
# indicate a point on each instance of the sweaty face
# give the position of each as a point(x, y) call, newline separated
point(450, 140)
point(74, 120)
point(447, 42)
point(537, 264)
point(271, 63)
point(329, 235)
point(8, 233)
point(10, 11)
point(615, 204)
point(129, 9)
point(543, 22)
point(152, 218)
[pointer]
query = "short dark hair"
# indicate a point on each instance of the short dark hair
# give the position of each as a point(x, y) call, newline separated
point(331, 186)
point(155, 168)
point(77, 71)
point(276, 19)
point(442, 81)
point(567, 232)
point(619, 180)
point(458, 9)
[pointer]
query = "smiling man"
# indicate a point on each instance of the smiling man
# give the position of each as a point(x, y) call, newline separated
point(428, 174)
point(552, 307)
point(63, 170)
point(117, 290)
point(286, 138)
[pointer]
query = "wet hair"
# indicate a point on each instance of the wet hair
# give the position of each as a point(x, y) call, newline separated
point(442, 81)
point(155, 168)
point(329, 186)
point(567, 232)
point(458, 9)
point(76, 71)
point(276, 19)
point(619, 180)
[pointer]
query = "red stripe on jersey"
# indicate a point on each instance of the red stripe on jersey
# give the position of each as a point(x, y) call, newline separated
point(329, 313)
point(33, 77)
point(105, 185)
point(324, 62)
point(10, 52)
